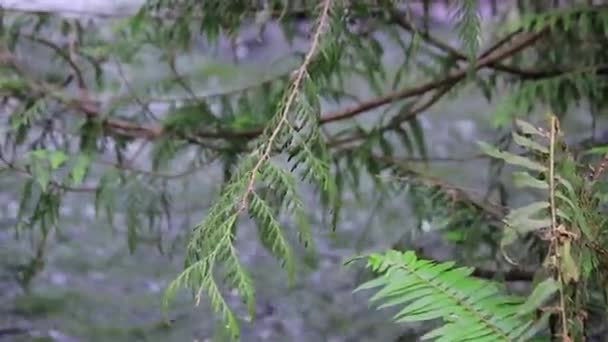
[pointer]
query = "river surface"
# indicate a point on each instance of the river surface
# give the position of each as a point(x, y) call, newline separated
point(92, 289)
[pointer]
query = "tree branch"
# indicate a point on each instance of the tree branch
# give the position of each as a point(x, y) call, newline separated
point(129, 129)
point(92, 109)
point(500, 54)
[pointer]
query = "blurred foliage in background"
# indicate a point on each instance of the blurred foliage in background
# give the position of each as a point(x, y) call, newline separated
point(87, 120)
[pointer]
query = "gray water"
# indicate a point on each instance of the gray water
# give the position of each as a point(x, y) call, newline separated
point(92, 289)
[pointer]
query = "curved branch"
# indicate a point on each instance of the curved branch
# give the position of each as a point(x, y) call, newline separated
point(419, 90)
point(92, 109)
point(130, 129)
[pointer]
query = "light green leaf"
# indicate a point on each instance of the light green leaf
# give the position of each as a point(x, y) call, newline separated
point(80, 168)
point(39, 154)
point(597, 150)
point(541, 293)
point(561, 214)
point(455, 236)
point(223, 70)
point(509, 236)
point(529, 143)
point(40, 160)
point(523, 179)
point(510, 157)
point(430, 290)
point(579, 216)
point(567, 185)
point(526, 211)
point(57, 158)
point(526, 225)
point(41, 173)
point(528, 128)
point(569, 267)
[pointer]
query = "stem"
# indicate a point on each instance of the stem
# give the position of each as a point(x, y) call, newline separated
point(554, 227)
point(299, 77)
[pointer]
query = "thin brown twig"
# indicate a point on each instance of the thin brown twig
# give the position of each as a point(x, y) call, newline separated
point(61, 53)
point(404, 23)
point(555, 229)
point(501, 42)
point(291, 98)
point(92, 109)
point(132, 92)
point(494, 210)
point(500, 54)
point(400, 118)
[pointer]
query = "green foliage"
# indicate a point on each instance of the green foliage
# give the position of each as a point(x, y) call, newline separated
point(567, 222)
point(470, 308)
point(562, 81)
point(560, 92)
point(469, 27)
point(80, 116)
point(569, 19)
point(295, 130)
point(567, 219)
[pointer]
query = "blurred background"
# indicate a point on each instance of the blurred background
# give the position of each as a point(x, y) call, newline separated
point(92, 288)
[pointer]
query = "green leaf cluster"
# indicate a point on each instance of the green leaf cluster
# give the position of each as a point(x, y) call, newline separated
point(471, 309)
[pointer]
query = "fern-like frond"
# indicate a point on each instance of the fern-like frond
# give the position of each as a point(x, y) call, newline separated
point(471, 308)
point(561, 92)
point(283, 184)
point(468, 23)
point(293, 129)
point(199, 275)
point(567, 219)
point(570, 19)
point(271, 233)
